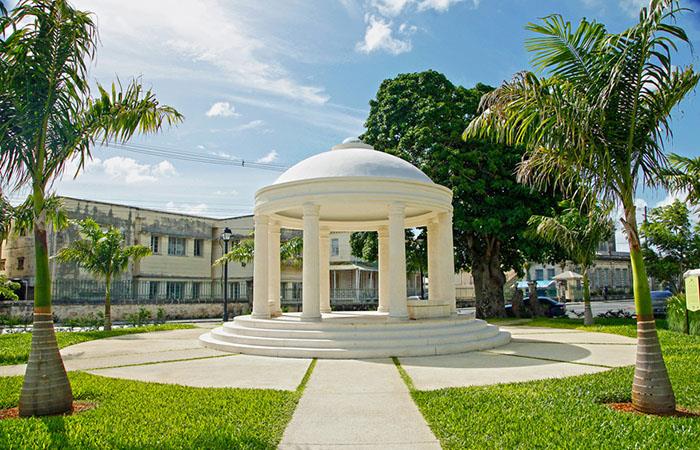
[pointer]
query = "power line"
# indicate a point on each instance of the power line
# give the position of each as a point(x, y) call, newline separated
point(168, 152)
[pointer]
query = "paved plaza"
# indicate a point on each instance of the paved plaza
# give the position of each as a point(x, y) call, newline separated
point(326, 416)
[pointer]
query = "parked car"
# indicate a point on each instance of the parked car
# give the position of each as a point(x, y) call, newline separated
point(658, 302)
point(552, 308)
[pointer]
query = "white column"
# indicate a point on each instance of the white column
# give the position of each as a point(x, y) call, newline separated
point(311, 300)
point(274, 275)
point(398, 308)
point(447, 266)
point(435, 291)
point(324, 252)
point(383, 269)
point(260, 268)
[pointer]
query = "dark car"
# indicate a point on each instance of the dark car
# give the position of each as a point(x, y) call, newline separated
point(551, 307)
point(658, 302)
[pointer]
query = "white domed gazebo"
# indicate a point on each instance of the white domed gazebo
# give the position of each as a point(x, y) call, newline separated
point(353, 187)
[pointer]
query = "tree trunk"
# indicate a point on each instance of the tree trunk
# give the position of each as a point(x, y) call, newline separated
point(46, 389)
point(488, 282)
point(587, 312)
point(108, 303)
point(651, 390)
point(535, 307)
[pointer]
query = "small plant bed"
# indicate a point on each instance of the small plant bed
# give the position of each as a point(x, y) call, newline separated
point(134, 414)
point(573, 412)
point(629, 407)
point(78, 407)
point(14, 347)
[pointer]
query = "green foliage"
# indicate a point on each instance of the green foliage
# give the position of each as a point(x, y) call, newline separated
point(365, 245)
point(92, 322)
point(8, 288)
point(672, 244)
point(139, 318)
point(679, 318)
point(530, 414)
point(133, 414)
point(243, 252)
point(14, 348)
point(684, 175)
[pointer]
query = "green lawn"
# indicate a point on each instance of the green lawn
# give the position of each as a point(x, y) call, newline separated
point(569, 412)
point(133, 414)
point(14, 348)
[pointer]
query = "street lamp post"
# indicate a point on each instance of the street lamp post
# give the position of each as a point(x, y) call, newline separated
point(226, 236)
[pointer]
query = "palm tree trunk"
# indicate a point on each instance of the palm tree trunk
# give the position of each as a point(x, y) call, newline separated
point(651, 390)
point(587, 312)
point(108, 303)
point(46, 389)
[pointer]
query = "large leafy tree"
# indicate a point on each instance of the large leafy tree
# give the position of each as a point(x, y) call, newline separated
point(671, 245)
point(420, 118)
point(579, 234)
point(48, 116)
point(598, 118)
point(104, 254)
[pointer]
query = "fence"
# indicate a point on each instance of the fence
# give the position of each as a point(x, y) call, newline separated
point(160, 292)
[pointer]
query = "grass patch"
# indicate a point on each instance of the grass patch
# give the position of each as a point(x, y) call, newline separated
point(14, 348)
point(569, 412)
point(134, 414)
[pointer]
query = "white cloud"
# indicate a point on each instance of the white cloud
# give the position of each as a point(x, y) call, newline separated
point(224, 155)
point(632, 7)
point(270, 157)
point(441, 5)
point(222, 109)
point(379, 37)
point(390, 7)
point(253, 124)
point(204, 39)
point(131, 172)
point(225, 193)
point(408, 29)
point(187, 208)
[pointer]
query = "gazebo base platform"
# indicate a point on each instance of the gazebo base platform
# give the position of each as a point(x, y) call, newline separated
point(349, 335)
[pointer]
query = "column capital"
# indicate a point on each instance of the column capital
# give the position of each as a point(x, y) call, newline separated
point(261, 219)
point(383, 231)
point(396, 208)
point(311, 209)
point(325, 233)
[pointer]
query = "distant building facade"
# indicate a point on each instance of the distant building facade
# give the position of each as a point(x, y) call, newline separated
point(181, 268)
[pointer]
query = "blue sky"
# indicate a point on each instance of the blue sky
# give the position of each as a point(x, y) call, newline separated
point(278, 81)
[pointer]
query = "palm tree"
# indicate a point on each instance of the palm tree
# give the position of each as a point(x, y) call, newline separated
point(684, 175)
point(243, 252)
point(103, 254)
point(598, 119)
point(48, 117)
point(579, 235)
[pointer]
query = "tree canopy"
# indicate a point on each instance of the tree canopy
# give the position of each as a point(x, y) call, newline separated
point(420, 117)
point(672, 244)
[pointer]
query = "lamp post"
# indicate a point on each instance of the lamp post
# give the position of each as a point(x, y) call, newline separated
point(226, 236)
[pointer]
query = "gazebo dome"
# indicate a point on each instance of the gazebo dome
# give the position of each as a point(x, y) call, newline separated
point(353, 158)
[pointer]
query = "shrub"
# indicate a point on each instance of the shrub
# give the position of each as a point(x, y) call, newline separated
point(142, 317)
point(675, 315)
point(87, 323)
point(161, 316)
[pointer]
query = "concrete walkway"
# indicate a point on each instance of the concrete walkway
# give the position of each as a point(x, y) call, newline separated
point(357, 404)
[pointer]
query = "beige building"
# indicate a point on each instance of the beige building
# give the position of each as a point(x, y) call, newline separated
point(181, 268)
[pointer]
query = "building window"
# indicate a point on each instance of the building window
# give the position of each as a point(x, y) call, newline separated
point(625, 278)
point(153, 290)
point(176, 246)
point(196, 288)
point(2, 264)
point(198, 245)
point(155, 241)
point(20, 263)
point(539, 274)
point(235, 290)
point(175, 290)
point(335, 247)
point(550, 274)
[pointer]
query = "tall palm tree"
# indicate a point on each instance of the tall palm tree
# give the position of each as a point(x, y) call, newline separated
point(684, 175)
point(579, 235)
point(48, 116)
point(243, 252)
point(103, 254)
point(597, 119)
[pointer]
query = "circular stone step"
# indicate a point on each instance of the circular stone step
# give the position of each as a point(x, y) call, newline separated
point(353, 335)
